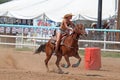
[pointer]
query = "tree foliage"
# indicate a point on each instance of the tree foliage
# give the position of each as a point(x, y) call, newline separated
point(3, 1)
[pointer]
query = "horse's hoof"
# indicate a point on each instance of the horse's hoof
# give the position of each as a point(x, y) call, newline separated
point(74, 65)
point(66, 72)
point(64, 66)
point(60, 72)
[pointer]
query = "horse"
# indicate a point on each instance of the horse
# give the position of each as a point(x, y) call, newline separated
point(68, 48)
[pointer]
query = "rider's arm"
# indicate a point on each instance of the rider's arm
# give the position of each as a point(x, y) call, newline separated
point(72, 24)
point(65, 24)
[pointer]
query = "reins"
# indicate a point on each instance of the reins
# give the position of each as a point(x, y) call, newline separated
point(74, 38)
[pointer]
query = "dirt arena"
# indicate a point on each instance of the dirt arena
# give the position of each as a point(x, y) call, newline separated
point(23, 65)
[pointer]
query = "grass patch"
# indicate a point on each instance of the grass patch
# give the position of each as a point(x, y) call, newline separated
point(111, 54)
point(104, 54)
point(81, 52)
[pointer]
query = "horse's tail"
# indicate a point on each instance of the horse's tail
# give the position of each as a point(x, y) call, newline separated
point(40, 49)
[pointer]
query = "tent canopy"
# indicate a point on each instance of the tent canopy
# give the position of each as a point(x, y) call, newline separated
point(55, 9)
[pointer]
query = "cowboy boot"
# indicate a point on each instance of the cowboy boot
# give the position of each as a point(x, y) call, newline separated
point(57, 46)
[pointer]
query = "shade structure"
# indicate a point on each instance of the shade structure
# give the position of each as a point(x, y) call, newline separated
point(55, 9)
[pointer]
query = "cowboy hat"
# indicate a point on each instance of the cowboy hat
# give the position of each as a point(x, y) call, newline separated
point(67, 15)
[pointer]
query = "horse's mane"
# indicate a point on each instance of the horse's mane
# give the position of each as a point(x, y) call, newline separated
point(77, 27)
point(75, 34)
point(77, 30)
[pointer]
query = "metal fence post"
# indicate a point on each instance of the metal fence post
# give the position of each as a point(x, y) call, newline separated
point(104, 40)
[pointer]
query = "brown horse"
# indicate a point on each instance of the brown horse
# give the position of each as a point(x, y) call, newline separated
point(68, 48)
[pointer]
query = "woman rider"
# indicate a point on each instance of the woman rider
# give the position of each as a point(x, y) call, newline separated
point(65, 28)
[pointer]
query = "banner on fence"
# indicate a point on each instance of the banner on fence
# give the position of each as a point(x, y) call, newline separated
point(25, 29)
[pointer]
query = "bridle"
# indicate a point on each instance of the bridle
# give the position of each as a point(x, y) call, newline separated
point(75, 36)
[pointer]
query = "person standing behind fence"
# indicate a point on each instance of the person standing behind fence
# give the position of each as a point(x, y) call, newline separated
point(94, 33)
point(111, 24)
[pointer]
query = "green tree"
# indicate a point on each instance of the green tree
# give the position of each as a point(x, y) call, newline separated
point(3, 1)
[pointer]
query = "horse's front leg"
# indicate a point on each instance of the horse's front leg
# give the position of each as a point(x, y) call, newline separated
point(59, 57)
point(79, 60)
point(67, 60)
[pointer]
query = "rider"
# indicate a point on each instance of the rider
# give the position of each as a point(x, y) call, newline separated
point(65, 28)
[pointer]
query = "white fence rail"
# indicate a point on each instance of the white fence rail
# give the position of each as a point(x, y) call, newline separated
point(34, 40)
point(98, 40)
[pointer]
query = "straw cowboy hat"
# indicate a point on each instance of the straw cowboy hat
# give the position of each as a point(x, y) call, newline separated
point(93, 24)
point(68, 15)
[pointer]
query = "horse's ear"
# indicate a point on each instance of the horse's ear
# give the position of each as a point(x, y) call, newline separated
point(77, 25)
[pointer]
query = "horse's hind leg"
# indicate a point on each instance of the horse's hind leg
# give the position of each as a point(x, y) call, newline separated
point(79, 60)
point(46, 60)
point(67, 60)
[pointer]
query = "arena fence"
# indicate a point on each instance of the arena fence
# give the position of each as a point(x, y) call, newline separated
point(20, 36)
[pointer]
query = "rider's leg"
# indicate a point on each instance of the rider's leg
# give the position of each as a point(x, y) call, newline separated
point(57, 42)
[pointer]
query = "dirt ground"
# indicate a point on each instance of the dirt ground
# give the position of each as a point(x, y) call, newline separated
point(23, 65)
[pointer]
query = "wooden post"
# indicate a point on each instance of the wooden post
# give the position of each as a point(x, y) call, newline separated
point(118, 15)
point(118, 22)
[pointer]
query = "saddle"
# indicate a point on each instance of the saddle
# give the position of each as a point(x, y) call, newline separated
point(53, 39)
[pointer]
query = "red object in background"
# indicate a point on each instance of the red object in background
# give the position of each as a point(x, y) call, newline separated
point(92, 58)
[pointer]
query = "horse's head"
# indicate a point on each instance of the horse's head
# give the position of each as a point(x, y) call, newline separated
point(80, 30)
